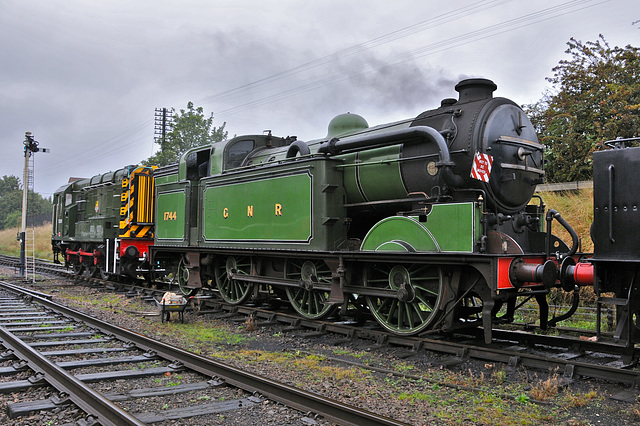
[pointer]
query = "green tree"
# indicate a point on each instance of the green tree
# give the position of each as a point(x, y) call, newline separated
point(190, 129)
point(11, 203)
point(8, 184)
point(595, 98)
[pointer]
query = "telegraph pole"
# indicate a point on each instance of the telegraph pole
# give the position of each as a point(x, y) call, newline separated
point(30, 147)
point(162, 124)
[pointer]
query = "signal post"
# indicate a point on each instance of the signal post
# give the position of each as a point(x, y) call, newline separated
point(30, 147)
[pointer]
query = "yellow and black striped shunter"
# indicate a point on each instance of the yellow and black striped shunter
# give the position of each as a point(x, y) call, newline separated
point(136, 217)
point(136, 210)
point(104, 225)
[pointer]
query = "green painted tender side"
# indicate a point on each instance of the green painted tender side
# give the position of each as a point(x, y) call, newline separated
point(285, 206)
point(171, 213)
point(268, 209)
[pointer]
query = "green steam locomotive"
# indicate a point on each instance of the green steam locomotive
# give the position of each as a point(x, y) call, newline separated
point(426, 223)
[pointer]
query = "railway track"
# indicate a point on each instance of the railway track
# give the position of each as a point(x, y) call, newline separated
point(41, 265)
point(572, 356)
point(45, 339)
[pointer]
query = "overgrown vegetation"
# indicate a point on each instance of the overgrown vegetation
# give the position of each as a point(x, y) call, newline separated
point(595, 97)
point(9, 244)
point(11, 203)
point(576, 207)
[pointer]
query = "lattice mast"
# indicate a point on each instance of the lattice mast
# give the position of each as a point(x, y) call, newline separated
point(30, 147)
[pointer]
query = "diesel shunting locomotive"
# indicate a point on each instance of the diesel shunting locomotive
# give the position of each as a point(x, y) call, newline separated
point(425, 223)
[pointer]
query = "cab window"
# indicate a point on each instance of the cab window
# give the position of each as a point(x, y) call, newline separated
point(198, 164)
point(238, 152)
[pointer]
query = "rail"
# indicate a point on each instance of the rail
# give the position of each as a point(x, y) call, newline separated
point(290, 396)
point(80, 393)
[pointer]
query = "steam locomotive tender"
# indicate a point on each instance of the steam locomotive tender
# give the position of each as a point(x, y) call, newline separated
point(424, 223)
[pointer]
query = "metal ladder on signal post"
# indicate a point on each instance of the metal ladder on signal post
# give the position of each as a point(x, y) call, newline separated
point(30, 254)
point(30, 243)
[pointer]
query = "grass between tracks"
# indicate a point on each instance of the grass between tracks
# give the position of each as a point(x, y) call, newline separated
point(433, 395)
point(194, 335)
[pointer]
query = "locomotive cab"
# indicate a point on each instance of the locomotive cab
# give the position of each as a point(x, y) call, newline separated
point(63, 220)
point(254, 150)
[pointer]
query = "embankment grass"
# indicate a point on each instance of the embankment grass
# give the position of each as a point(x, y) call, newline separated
point(576, 207)
point(9, 244)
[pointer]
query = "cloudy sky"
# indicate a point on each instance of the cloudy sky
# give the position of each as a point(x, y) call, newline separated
point(86, 76)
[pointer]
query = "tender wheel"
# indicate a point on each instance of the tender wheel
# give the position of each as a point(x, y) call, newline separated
point(233, 291)
point(418, 289)
point(308, 302)
point(183, 279)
